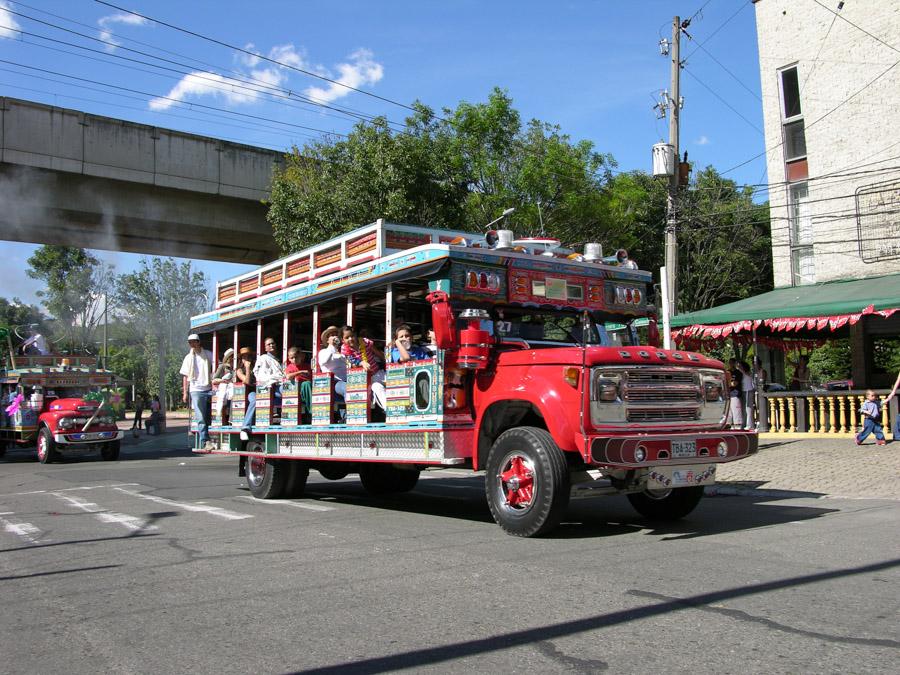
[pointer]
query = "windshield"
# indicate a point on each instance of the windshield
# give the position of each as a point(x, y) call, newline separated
point(553, 328)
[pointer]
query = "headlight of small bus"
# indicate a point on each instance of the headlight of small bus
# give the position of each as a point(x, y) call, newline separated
point(606, 397)
point(106, 419)
point(66, 423)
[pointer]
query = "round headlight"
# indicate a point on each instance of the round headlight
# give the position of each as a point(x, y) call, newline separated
point(640, 454)
point(66, 423)
point(723, 449)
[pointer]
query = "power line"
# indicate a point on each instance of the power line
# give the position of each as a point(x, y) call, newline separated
point(730, 107)
point(253, 54)
point(860, 28)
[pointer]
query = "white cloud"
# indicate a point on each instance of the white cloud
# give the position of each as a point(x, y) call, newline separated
point(361, 70)
point(106, 22)
point(8, 22)
point(703, 140)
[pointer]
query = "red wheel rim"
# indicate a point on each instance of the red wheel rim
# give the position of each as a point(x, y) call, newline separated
point(517, 481)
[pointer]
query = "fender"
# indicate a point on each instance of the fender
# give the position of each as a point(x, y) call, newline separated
point(540, 386)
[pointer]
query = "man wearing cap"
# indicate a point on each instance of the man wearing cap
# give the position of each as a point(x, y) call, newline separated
point(196, 380)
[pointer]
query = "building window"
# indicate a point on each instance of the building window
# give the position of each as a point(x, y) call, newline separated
point(790, 93)
point(794, 141)
point(803, 268)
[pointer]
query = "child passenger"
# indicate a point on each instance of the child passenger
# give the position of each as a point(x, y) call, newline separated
point(297, 369)
point(871, 412)
point(362, 352)
point(403, 348)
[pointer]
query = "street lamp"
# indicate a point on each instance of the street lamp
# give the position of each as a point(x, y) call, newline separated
point(502, 216)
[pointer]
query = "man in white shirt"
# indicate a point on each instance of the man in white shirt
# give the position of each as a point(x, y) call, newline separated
point(196, 371)
point(269, 372)
point(35, 344)
point(331, 360)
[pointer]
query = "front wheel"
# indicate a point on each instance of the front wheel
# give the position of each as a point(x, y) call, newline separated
point(527, 482)
point(670, 504)
point(110, 451)
point(46, 447)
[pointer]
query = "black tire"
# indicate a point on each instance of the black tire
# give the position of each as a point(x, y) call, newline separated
point(46, 447)
point(381, 479)
point(527, 482)
point(295, 485)
point(110, 451)
point(266, 478)
point(669, 504)
point(333, 470)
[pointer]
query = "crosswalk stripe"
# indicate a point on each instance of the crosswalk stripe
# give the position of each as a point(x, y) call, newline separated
point(131, 522)
point(288, 502)
point(26, 531)
point(196, 508)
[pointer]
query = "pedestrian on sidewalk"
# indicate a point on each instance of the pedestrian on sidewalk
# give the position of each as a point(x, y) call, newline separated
point(735, 385)
point(748, 395)
point(138, 412)
point(871, 412)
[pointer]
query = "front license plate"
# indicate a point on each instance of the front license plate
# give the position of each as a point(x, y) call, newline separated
point(661, 477)
point(684, 449)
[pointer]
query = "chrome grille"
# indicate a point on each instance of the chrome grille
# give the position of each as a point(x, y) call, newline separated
point(662, 414)
point(661, 377)
point(655, 395)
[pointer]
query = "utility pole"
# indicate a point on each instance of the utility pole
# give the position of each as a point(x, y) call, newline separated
point(674, 109)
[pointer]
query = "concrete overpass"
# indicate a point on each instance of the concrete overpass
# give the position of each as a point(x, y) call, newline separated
point(71, 178)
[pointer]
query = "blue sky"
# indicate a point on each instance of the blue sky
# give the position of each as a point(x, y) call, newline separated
point(593, 67)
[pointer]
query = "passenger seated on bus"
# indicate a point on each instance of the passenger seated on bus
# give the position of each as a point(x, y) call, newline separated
point(403, 349)
point(269, 373)
point(431, 346)
point(331, 361)
point(244, 375)
point(362, 352)
point(297, 370)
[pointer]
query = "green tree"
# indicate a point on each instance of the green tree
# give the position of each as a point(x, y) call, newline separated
point(75, 287)
point(457, 171)
point(17, 314)
point(159, 300)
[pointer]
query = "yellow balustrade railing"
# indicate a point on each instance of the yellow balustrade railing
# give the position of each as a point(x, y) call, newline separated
point(833, 413)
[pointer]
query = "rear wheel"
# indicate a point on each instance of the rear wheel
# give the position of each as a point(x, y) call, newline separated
point(527, 482)
point(380, 479)
point(46, 447)
point(670, 504)
point(266, 477)
point(295, 485)
point(110, 451)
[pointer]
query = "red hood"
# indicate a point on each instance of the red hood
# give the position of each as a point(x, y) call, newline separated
point(73, 405)
point(607, 356)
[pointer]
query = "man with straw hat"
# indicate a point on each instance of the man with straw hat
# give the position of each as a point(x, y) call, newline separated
point(196, 378)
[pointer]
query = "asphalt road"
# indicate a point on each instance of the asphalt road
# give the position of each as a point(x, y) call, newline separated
point(163, 562)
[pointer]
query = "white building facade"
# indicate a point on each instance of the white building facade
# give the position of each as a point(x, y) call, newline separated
point(830, 74)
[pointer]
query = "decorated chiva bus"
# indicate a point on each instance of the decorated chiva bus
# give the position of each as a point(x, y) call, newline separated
point(432, 348)
point(55, 405)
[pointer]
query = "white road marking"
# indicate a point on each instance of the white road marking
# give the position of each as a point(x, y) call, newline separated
point(26, 531)
point(196, 508)
point(131, 522)
point(81, 487)
point(288, 502)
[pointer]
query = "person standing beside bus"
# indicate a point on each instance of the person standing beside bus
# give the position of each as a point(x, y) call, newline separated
point(196, 380)
point(245, 376)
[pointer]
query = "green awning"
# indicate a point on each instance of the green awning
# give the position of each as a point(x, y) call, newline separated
point(829, 299)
